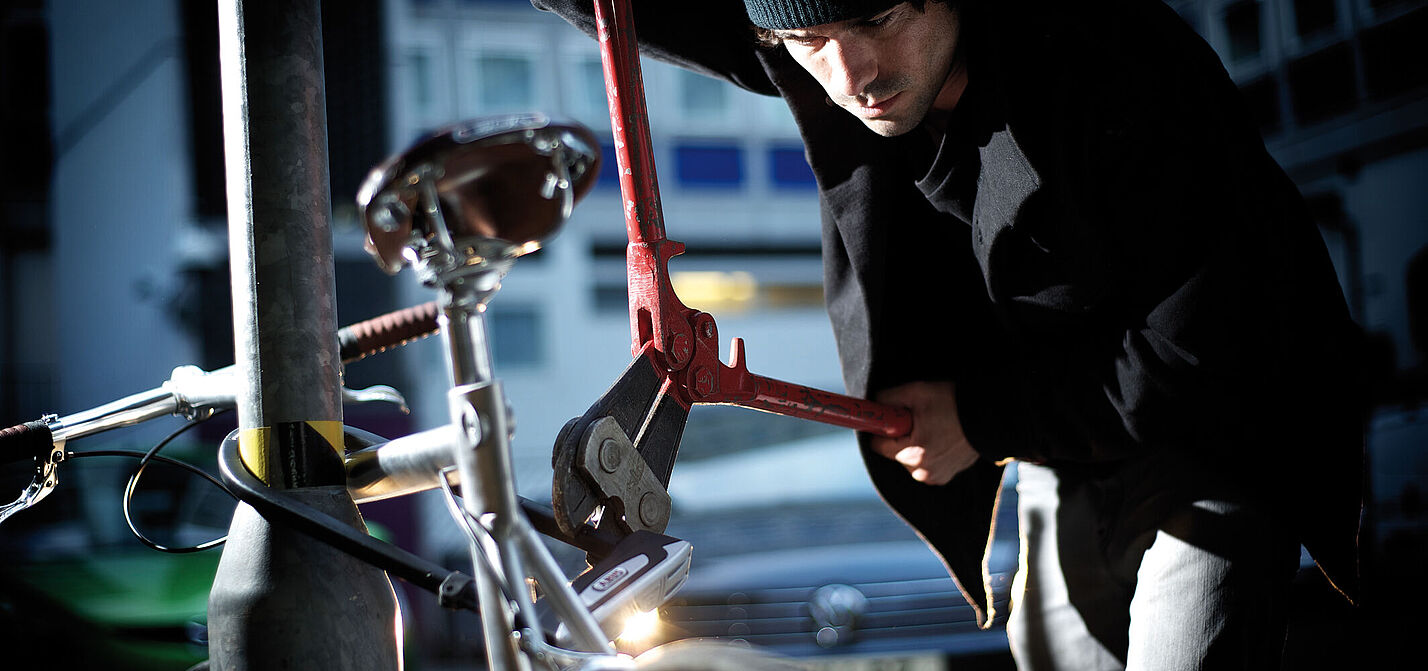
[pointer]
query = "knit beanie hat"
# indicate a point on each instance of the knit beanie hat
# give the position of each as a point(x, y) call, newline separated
point(790, 14)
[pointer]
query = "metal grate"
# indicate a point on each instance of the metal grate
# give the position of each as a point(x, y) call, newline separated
point(781, 617)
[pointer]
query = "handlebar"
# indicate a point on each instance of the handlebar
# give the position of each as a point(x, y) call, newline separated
point(387, 331)
point(31, 439)
point(192, 393)
point(196, 394)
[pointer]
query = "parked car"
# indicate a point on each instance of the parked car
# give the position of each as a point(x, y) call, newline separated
point(796, 555)
point(78, 591)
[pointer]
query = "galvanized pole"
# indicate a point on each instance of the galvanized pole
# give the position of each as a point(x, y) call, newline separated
point(281, 600)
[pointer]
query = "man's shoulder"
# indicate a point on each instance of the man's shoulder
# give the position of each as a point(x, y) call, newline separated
point(1089, 38)
point(1116, 58)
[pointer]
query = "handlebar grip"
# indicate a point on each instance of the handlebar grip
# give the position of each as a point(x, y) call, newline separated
point(389, 330)
point(31, 439)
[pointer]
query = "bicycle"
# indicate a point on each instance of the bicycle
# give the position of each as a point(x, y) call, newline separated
point(631, 572)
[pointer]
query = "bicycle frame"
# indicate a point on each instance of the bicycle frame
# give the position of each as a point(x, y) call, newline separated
point(483, 461)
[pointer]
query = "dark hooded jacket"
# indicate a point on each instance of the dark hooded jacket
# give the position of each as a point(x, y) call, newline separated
point(1098, 251)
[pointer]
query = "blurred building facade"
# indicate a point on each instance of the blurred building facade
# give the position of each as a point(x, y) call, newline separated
point(1340, 90)
point(1337, 87)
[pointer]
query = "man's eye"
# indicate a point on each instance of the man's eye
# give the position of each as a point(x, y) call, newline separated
point(878, 21)
point(803, 40)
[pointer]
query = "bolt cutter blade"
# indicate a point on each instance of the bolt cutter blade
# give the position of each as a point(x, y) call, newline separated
point(651, 420)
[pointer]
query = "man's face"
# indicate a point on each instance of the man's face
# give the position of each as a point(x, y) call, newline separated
point(888, 69)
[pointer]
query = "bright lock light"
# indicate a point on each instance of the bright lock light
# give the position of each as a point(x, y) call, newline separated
point(639, 628)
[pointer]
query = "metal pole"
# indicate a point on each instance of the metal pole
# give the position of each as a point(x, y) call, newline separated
point(281, 599)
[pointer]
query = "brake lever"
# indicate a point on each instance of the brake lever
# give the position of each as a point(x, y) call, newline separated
point(380, 393)
point(46, 450)
point(40, 487)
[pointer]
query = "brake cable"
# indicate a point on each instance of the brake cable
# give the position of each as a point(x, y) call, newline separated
point(152, 455)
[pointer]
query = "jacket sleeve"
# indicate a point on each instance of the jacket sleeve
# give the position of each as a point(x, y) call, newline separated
point(716, 39)
point(956, 518)
point(892, 266)
point(1165, 273)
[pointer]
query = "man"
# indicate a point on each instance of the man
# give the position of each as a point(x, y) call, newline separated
point(1053, 231)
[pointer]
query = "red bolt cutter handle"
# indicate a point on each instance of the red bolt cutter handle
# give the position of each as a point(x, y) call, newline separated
point(740, 387)
point(655, 311)
point(684, 340)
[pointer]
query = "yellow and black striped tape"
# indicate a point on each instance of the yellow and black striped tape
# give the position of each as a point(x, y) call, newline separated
point(295, 454)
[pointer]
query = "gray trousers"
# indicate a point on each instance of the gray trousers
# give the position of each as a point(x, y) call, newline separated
point(1142, 567)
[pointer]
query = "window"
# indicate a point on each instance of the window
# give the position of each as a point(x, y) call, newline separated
point(505, 82)
point(703, 98)
point(1190, 13)
point(503, 68)
point(1243, 30)
point(1313, 18)
point(609, 177)
point(357, 116)
point(419, 74)
point(738, 275)
point(773, 115)
point(740, 291)
point(1262, 97)
point(788, 169)
point(709, 165)
point(1322, 85)
point(611, 297)
point(1386, 8)
point(1390, 51)
point(515, 335)
point(424, 87)
point(584, 91)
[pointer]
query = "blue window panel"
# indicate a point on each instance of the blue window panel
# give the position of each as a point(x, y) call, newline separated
point(789, 169)
point(507, 81)
point(516, 336)
point(609, 168)
point(709, 166)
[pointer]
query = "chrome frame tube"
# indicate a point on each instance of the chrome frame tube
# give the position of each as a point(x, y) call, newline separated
point(406, 465)
point(483, 463)
point(584, 629)
point(482, 485)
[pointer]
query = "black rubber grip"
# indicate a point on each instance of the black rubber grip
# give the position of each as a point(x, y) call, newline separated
point(31, 439)
point(389, 330)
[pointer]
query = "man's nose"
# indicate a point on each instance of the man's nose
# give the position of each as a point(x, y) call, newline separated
point(852, 67)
